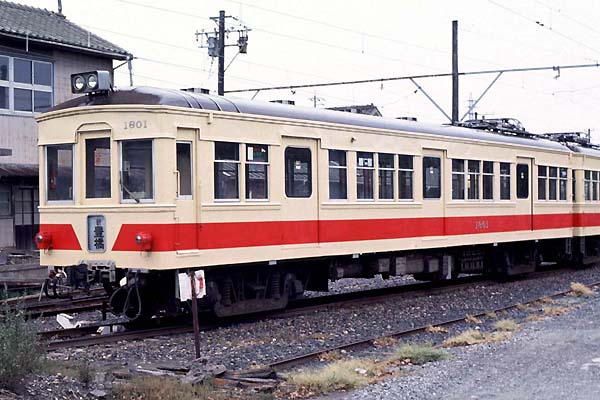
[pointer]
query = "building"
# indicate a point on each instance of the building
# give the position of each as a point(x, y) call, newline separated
point(39, 50)
point(368, 109)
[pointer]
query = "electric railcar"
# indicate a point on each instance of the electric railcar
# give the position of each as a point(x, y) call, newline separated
point(142, 184)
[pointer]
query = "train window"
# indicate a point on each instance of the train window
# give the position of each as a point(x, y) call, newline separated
point(588, 185)
point(432, 180)
point(562, 184)
point(184, 168)
point(522, 181)
point(458, 179)
point(595, 185)
point(405, 177)
point(552, 183)
point(337, 174)
point(137, 173)
point(504, 181)
point(386, 176)
point(59, 172)
point(573, 186)
point(257, 163)
point(474, 169)
point(97, 168)
point(488, 180)
point(542, 181)
point(298, 172)
point(364, 175)
point(227, 160)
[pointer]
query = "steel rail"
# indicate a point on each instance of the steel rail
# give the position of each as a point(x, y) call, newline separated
point(366, 343)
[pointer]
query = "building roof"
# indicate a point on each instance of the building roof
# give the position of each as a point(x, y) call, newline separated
point(44, 26)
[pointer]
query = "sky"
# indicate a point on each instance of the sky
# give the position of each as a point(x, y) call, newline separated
point(310, 41)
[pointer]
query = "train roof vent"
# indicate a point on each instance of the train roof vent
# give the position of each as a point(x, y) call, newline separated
point(505, 126)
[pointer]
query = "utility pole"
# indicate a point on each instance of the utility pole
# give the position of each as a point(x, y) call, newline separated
point(215, 43)
point(454, 72)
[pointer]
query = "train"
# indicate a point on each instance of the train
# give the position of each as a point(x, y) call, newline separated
point(141, 186)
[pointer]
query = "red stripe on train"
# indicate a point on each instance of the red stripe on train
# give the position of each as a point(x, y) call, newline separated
point(63, 236)
point(205, 236)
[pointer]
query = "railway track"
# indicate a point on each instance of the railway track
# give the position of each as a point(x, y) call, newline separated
point(302, 359)
point(33, 307)
point(87, 336)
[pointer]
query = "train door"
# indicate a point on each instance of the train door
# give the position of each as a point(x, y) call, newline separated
point(524, 192)
point(186, 215)
point(300, 198)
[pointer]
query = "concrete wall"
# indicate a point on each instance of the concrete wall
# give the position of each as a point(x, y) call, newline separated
point(18, 132)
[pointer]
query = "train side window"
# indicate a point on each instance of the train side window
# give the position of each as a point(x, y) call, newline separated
point(474, 169)
point(59, 172)
point(97, 168)
point(432, 179)
point(588, 185)
point(257, 174)
point(552, 183)
point(364, 175)
point(504, 181)
point(227, 169)
point(488, 180)
point(458, 179)
point(338, 175)
point(542, 181)
point(573, 186)
point(298, 172)
point(184, 168)
point(405, 177)
point(386, 176)
point(595, 185)
point(562, 184)
point(137, 172)
point(522, 181)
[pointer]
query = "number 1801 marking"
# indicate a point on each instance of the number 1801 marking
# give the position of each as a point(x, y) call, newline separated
point(132, 124)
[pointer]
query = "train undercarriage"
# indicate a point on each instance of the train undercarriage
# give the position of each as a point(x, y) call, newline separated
point(246, 289)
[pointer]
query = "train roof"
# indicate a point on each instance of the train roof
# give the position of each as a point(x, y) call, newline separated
point(143, 95)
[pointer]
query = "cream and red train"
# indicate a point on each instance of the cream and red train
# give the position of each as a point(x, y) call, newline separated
point(271, 200)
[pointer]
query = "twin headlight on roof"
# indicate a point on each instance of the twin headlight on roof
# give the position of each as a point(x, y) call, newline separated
point(90, 82)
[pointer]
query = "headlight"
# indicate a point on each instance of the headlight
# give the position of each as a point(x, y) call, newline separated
point(79, 82)
point(92, 82)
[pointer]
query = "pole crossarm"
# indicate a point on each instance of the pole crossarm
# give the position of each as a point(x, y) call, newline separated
point(430, 99)
point(410, 77)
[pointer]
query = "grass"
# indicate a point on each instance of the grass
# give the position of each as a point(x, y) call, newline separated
point(339, 375)
point(436, 329)
point(20, 350)
point(555, 311)
point(491, 314)
point(534, 318)
point(472, 319)
point(505, 325)
point(419, 354)
point(579, 289)
point(333, 355)
point(473, 336)
point(386, 341)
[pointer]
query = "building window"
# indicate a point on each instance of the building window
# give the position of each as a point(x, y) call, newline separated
point(504, 181)
point(5, 209)
point(488, 180)
point(97, 168)
point(458, 179)
point(405, 177)
point(298, 172)
point(588, 185)
point(137, 172)
point(542, 179)
point(432, 179)
point(227, 165)
point(257, 164)
point(337, 175)
point(364, 175)
point(473, 179)
point(184, 168)
point(59, 172)
point(562, 183)
point(386, 176)
point(523, 181)
point(25, 85)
